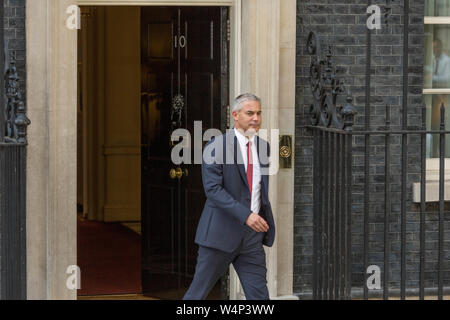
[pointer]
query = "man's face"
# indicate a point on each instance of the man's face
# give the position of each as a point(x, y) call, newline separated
point(248, 119)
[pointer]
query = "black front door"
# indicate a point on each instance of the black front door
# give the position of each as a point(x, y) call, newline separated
point(184, 79)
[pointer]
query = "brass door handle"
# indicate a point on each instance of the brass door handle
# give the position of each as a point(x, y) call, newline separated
point(178, 173)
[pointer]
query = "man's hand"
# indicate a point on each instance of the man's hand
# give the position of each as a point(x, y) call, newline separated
point(257, 223)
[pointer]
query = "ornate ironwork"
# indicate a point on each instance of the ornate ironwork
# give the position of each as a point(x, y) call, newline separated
point(326, 87)
point(177, 110)
point(16, 119)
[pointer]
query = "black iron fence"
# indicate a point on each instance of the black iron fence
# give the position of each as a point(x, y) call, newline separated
point(379, 231)
point(12, 224)
point(334, 206)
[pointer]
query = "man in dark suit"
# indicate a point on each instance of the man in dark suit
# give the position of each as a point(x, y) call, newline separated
point(237, 218)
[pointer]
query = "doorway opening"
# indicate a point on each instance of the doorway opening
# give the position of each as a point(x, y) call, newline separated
point(136, 221)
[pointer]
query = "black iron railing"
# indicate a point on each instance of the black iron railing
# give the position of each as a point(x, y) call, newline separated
point(331, 125)
point(332, 214)
point(333, 211)
point(12, 189)
point(365, 218)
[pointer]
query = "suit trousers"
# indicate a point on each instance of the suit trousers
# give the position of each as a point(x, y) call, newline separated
point(249, 261)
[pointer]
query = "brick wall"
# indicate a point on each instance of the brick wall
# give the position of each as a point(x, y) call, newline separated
point(342, 24)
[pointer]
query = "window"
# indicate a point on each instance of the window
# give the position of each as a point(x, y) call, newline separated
point(436, 87)
point(436, 91)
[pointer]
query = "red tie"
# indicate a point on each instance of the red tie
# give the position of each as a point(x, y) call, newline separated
point(249, 166)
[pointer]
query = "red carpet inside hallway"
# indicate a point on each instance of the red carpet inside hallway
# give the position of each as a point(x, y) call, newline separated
point(109, 256)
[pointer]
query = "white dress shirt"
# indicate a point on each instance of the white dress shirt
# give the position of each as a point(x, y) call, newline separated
point(441, 71)
point(256, 188)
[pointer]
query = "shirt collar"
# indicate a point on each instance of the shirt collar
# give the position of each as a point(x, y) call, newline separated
point(242, 139)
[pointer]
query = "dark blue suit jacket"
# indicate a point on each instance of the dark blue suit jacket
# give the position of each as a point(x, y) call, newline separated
point(227, 207)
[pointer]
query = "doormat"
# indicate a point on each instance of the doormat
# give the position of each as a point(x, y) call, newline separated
point(109, 256)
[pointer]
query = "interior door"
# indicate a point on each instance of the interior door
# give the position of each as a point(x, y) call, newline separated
point(184, 79)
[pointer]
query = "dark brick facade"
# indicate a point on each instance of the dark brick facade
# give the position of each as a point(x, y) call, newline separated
point(342, 24)
point(14, 32)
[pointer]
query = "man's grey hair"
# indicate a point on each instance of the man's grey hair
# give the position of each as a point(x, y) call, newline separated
point(237, 104)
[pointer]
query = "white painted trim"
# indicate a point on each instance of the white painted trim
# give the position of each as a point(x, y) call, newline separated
point(432, 181)
point(260, 75)
point(436, 20)
point(51, 154)
point(235, 90)
point(436, 91)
